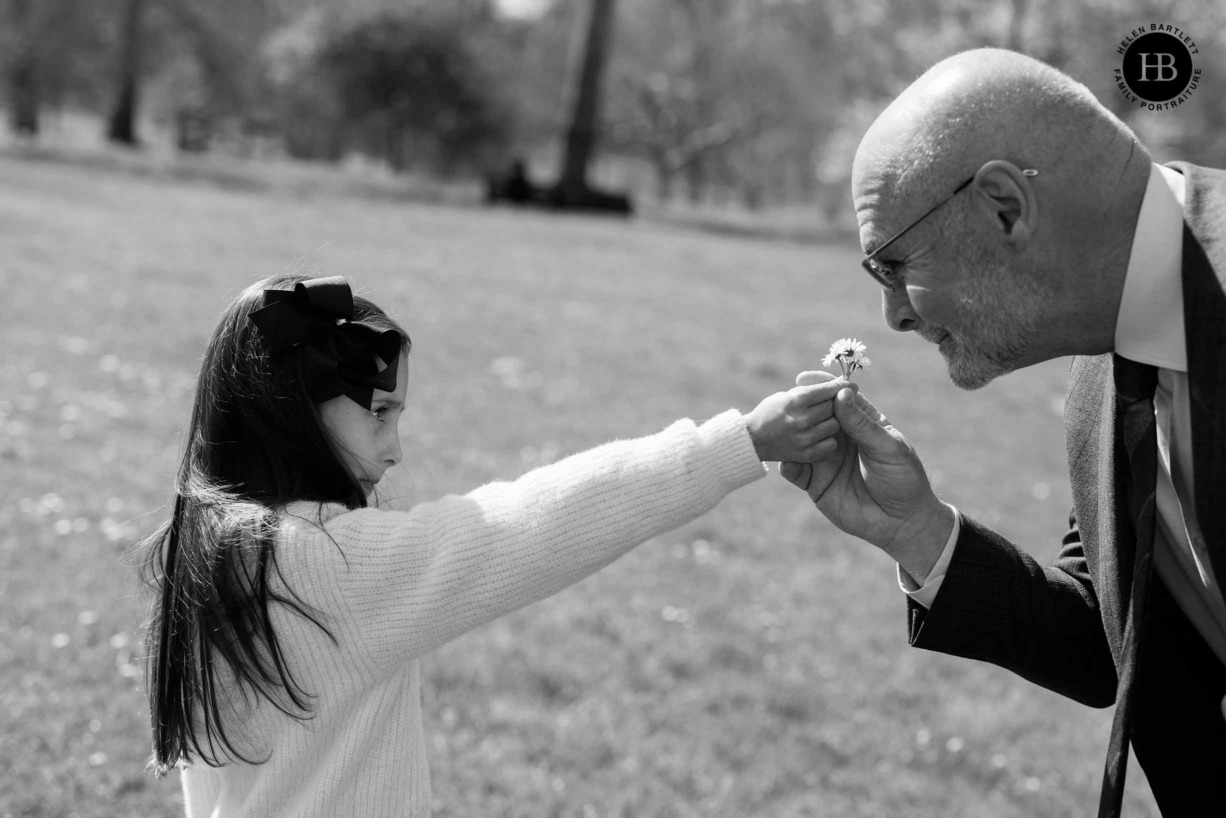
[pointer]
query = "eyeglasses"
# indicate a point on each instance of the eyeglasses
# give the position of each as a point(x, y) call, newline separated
point(883, 274)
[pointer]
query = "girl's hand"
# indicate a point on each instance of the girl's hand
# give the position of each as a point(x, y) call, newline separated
point(798, 425)
point(876, 489)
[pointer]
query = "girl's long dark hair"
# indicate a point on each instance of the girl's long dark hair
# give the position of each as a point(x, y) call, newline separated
point(255, 442)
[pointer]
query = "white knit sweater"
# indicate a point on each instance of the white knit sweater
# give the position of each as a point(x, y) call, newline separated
point(394, 585)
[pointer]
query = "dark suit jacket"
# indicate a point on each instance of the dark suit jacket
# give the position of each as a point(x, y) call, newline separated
point(1062, 626)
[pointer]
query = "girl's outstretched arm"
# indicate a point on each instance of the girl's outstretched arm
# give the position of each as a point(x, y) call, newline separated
point(398, 584)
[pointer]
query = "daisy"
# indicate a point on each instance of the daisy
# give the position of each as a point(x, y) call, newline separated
point(849, 353)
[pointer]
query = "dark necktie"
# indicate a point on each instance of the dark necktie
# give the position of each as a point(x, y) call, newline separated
point(1138, 431)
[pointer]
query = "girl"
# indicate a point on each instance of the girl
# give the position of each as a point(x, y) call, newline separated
point(290, 617)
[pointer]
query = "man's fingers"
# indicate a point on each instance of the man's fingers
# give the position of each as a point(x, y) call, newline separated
point(798, 474)
point(861, 424)
point(873, 413)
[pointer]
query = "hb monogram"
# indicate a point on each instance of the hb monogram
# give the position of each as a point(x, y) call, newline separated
point(1163, 63)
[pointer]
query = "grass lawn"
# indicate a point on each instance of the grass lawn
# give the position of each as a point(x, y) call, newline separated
point(753, 663)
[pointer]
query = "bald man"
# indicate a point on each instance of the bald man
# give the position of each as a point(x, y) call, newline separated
point(1010, 219)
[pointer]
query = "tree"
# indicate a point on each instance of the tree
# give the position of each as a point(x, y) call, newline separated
point(717, 94)
point(50, 51)
point(223, 38)
point(122, 126)
point(411, 89)
point(585, 110)
point(23, 69)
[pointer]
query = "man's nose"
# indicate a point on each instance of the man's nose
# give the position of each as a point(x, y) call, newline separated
point(897, 309)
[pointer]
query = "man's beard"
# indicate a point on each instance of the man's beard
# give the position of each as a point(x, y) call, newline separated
point(999, 316)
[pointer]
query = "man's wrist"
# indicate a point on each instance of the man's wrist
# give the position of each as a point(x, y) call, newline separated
point(926, 593)
point(918, 546)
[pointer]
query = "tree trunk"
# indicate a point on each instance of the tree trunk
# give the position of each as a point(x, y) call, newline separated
point(1017, 24)
point(585, 114)
point(394, 146)
point(664, 179)
point(23, 74)
point(122, 128)
point(696, 180)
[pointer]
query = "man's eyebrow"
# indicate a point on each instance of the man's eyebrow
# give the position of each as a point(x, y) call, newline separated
point(389, 403)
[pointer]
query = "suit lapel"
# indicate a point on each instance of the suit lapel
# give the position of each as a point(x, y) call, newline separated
point(1096, 468)
point(1204, 282)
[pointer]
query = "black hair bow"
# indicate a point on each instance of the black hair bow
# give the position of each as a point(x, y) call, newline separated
point(338, 353)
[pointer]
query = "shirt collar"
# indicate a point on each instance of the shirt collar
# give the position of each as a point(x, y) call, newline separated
point(1149, 328)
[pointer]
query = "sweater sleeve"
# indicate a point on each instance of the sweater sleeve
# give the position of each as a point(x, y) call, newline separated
point(406, 582)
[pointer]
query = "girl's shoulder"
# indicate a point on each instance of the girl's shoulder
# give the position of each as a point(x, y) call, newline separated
point(316, 535)
point(308, 518)
point(311, 514)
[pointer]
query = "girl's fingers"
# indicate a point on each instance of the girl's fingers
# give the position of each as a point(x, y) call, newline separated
point(821, 449)
point(809, 377)
point(814, 414)
point(818, 432)
point(803, 397)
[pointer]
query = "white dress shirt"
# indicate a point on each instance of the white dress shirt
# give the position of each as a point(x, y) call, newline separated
point(1150, 330)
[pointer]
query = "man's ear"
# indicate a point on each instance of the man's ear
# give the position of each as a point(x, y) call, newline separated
point(1004, 194)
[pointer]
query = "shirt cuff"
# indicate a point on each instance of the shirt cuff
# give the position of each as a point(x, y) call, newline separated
point(927, 593)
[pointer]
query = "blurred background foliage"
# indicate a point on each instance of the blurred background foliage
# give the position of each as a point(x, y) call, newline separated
point(744, 102)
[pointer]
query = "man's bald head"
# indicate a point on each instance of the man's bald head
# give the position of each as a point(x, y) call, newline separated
point(990, 104)
point(1017, 267)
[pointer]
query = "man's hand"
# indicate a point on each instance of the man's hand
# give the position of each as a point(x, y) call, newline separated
point(797, 425)
point(876, 488)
